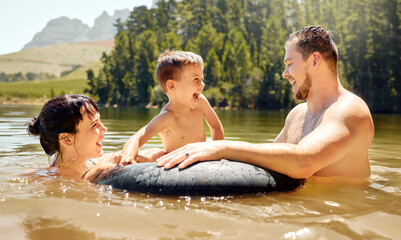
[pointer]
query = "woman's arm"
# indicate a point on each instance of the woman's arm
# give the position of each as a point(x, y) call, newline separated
point(106, 162)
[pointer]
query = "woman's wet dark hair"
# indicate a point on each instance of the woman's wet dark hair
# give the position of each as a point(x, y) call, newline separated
point(60, 114)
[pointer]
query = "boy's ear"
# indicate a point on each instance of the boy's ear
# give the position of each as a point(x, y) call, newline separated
point(66, 139)
point(170, 84)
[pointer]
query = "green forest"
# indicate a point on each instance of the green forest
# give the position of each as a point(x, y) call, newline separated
point(242, 43)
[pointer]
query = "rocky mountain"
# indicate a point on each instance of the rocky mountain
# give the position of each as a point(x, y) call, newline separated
point(64, 30)
point(60, 30)
point(104, 28)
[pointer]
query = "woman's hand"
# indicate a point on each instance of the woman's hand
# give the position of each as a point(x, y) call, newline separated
point(121, 159)
point(115, 159)
point(149, 155)
point(193, 152)
point(107, 161)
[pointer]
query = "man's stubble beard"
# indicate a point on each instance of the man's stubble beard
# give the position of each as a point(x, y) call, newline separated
point(303, 91)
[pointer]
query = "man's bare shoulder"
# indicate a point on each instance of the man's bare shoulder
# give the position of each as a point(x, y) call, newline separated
point(296, 111)
point(354, 112)
point(352, 107)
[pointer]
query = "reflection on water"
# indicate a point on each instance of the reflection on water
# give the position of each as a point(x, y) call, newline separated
point(41, 205)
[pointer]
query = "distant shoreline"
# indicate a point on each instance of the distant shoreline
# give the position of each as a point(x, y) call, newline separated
point(22, 101)
point(41, 102)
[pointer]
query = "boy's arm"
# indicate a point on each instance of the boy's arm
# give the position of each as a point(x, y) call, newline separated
point(158, 124)
point(216, 128)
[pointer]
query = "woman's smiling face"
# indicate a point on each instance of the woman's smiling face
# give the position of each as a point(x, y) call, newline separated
point(89, 136)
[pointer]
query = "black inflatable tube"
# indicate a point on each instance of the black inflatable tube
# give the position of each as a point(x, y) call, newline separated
point(205, 178)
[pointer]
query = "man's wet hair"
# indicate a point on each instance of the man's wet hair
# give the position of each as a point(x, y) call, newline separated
point(315, 39)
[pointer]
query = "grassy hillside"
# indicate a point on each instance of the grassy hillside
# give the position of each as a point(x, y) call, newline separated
point(54, 59)
point(37, 92)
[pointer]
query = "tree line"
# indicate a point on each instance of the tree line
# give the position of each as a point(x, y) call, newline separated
point(15, 77)
point(242, 43)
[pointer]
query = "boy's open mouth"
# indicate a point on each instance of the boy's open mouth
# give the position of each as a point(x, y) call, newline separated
point(196, 96)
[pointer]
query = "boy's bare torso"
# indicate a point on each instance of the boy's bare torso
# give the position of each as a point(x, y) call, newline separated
point(183, 128)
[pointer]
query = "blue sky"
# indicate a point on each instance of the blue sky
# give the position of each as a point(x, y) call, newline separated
point(20, 20)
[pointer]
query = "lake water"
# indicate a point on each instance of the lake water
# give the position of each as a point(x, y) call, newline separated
point(50, 207)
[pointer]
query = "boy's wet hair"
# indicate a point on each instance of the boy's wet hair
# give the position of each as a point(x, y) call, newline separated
point(314, 38)
point(170, 63)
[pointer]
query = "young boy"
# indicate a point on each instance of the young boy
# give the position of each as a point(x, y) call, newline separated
point(180, 121)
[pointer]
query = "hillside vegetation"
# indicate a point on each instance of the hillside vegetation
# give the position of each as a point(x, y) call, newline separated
point(37, 92)
point(54, 59)
point(75, 58)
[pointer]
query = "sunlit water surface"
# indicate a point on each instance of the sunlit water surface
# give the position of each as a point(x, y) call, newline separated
point(45, 206)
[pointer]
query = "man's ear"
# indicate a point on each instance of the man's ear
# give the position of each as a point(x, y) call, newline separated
point(66, 139)
point(170, 84)
point(316, 59)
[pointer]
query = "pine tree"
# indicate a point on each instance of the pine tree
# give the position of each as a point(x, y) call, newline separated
point(148, 51)
point(273, 86)
point(242, 45)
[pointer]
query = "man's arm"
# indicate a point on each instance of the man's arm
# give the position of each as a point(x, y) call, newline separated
point(322, 147)
point(158, 124)
point(328, 143)
point(212, 120)
point(281, 137)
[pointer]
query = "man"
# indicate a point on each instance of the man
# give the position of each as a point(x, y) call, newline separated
point(328, 135)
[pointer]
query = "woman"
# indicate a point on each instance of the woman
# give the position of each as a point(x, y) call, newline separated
point(69, 128)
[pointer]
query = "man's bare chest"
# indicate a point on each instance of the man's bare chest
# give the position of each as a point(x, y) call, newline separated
point(302, 125)
point(294, 132)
